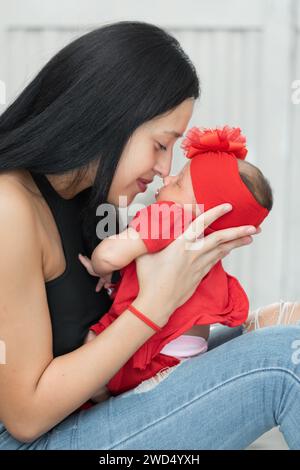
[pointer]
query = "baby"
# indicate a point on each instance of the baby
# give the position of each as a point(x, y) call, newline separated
point(215, 173)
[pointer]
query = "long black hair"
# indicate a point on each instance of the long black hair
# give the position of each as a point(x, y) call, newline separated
point(85, 103)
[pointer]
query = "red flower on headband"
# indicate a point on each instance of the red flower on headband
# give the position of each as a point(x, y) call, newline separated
point(227, 139)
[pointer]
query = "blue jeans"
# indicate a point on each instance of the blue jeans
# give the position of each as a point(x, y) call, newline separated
point(243, 386)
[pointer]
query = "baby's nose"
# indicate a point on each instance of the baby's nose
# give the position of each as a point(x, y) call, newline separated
point(168, 179)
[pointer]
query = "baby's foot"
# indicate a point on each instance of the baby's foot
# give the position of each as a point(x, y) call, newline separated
point(279, 313)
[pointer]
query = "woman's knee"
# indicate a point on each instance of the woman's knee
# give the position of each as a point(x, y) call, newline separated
point(280, 343)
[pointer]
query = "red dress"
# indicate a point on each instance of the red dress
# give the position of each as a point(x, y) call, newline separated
point(219, 298)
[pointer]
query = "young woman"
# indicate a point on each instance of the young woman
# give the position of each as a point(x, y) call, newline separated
point(98, 122)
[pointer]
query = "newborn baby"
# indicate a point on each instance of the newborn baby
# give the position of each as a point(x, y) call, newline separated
point(215, 173)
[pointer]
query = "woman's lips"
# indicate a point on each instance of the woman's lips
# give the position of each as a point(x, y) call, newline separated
point(142, 185)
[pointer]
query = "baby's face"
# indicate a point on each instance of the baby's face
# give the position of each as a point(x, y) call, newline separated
point(178, 188)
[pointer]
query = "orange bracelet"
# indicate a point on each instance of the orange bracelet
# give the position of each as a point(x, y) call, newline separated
point(145, 319)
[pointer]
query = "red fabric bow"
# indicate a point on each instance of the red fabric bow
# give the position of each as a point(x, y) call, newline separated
point(226, 139)
point(214, 170)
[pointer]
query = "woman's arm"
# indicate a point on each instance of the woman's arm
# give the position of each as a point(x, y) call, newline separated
point(36, 390)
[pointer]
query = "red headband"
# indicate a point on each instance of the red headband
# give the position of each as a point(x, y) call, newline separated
point(216, 178)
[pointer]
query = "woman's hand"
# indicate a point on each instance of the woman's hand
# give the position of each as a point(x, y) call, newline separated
point(104, 281)
point(168, 278)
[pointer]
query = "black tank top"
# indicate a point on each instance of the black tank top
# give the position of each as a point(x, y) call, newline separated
point(73, 303)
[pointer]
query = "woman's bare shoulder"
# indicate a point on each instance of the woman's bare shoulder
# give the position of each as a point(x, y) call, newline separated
point(17, 196)
point(18, 215)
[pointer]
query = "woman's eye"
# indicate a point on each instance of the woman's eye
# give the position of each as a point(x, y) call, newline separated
point(162, 147)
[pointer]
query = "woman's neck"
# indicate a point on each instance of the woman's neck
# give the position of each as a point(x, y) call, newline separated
point(67, 185)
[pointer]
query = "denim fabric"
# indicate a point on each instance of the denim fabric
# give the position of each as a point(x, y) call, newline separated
point(243, 386)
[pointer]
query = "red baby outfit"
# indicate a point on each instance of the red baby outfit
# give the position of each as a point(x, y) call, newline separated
point(219, 297)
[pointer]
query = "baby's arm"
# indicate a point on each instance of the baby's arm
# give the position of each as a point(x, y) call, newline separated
point(117, 251)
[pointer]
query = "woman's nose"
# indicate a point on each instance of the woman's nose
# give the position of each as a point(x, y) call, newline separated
point(163, 165)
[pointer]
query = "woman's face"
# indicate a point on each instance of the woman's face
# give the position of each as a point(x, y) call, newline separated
point(148, 153)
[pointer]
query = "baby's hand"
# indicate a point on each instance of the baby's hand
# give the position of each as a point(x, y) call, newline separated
point(90, 336)
point(103, 280)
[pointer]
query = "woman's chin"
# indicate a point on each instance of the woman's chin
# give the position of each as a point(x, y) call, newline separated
point(123, 200)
